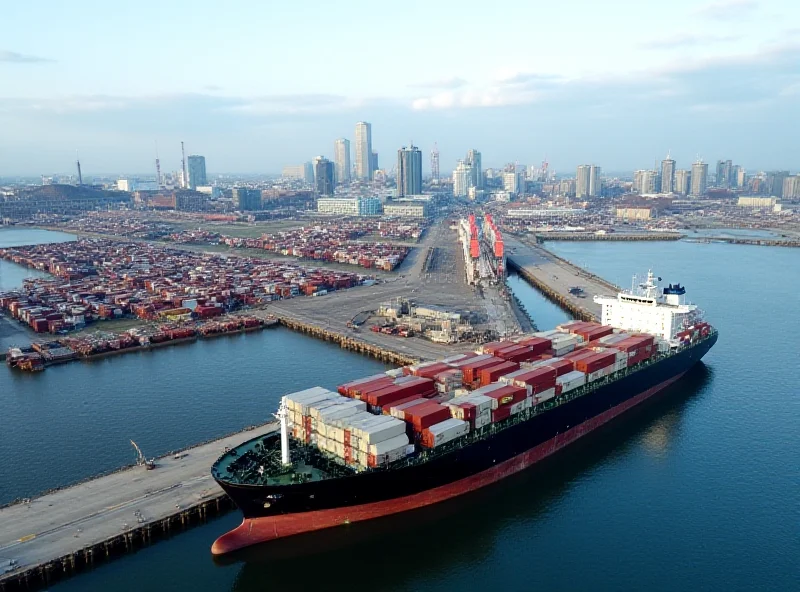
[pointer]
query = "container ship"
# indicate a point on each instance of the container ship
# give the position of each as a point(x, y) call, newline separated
point(426, 433)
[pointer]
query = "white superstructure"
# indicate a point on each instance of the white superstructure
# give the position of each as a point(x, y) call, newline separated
point(649, 309)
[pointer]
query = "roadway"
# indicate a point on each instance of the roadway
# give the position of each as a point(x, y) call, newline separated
point(67, 520)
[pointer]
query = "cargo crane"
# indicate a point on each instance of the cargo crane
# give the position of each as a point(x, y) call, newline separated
point(141, 461)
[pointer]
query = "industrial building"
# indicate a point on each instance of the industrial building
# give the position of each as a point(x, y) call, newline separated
point(406, 208)
point(349, 206)
point(245, 199)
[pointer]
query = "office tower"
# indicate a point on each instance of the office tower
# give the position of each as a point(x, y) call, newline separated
point(197, 171)
point(308, 173)
point(245, 199)
point(791, 187)
point(409, 171)
point(682, 181)
point(474, 161)
point(724, 173)
point(363, 151)
point(775, 181)
point(341, 160)
point(582, 181)
point(512, 182)
point(699, 181)
point(374, 162)
point(645, 181)
point(667, 175)
point(594, 180)
point(435, 164)
point(324, 175)
point(740, 176)
point(462, 177)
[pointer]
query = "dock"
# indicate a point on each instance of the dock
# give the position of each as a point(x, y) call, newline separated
point(555, 277)
point(60, 533)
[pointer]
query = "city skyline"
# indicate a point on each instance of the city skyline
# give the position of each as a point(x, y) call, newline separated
point(717, 75)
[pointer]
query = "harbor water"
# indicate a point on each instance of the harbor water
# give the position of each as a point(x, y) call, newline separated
point(698, 490)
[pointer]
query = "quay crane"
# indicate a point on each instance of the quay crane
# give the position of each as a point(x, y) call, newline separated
point(141, 461)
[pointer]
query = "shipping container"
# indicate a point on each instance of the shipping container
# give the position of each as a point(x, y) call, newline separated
point(441, 433)
point(538, 345)
point(570, 381)
point(507, 395)
point(501, 413)
point(472, 367)
point(423, 416)
point(490, 375)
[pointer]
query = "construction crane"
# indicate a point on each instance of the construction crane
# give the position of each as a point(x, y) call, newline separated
point(141, 461)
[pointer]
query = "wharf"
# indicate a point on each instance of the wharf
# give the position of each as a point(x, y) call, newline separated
point(70, 529)
point(555, 277)
point(761, 242)
point(614, 236)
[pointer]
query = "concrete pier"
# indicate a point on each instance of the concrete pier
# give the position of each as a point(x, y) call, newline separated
point(555, 276)
point(62, 532)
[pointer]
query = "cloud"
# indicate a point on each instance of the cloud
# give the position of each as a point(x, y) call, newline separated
point(12, 57)
point(687, 40)
point(443, 84)
point(726, 9)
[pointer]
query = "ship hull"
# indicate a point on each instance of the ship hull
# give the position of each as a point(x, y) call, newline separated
point(326, 504)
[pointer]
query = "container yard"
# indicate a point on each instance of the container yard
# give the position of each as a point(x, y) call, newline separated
point(53, 536)
point(103, 279)
point(344, 242)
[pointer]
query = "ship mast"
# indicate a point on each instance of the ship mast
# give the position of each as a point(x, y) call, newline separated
point(283, 417)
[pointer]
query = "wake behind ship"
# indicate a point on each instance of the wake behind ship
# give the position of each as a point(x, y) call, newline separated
point(422, 434)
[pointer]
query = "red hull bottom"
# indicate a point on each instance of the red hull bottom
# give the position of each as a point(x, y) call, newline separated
point(258, 530)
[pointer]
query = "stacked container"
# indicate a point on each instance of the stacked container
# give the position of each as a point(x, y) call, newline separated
point(570, 381)
point(443, 432)
point(474, 408)
point(492, 374)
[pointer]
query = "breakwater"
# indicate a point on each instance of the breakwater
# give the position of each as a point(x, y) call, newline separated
point(583, 236)
point(563, 301)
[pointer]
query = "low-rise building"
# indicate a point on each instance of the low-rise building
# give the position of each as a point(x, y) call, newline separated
point(632, 214)
point(757, 202)
point(406, 209)
point(349, 206)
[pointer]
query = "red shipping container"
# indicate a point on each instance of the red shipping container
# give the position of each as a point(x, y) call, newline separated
point(516, 353)
point(501, 413)
point(387, 409)
point(596, 333)
point(471, 369)
point(490, 375)
point(432, 370)
point(491, 348)
point(538, 345)
point(561, 366)
point(395, 392)
point(507, 395)
point(426, 415)
point(360, 390)
point(595, 362)
point(539, 379)
point(344, 388)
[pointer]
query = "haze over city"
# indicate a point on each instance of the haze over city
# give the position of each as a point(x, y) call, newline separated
point(254, 87)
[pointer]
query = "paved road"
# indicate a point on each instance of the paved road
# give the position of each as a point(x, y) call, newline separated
point(65, 521)
point(556, 274)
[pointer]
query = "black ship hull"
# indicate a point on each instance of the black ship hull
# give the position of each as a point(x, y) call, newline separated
point(272, 512)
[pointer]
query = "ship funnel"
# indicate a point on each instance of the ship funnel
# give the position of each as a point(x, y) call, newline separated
point(283, 417)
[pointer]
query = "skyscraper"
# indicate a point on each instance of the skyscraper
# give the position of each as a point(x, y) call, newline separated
point(324, 175)
point(374, 162)
point(462, 177)
point(363, 150)
point(699, 180)
point(341, 160)
point(667, 175)
point(582, 181)
point(435, 164)
point(594, 180)
point(197, 171)
point(775, 182)
point(724, 174)
point(246, 199)
point(682, 181)
point(512, 182)
point(474, 161)
point(409, 171)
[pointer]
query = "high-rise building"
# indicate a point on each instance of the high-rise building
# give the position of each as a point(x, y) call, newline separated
point(667, 175)
point(373, 162)
point(645, 181)
point(409, 171)
point(474, 161)
point(462, 177)
point(791, 187)
point(699, 181)
point(341, 160)
point(323, 176)
point(724, 174)
point(512, 182)
point(435, 164)
point(738, 177)
point(594, 180)
point(363, 151)
point(582, 181)
point(245, 199)
point(197, 171)
point(682, 181)
point(775, 181)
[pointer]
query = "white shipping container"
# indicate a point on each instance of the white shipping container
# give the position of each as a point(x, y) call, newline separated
point(448, 430)
point(547, 334)
point(544, 396)
point(571, 380)
point(348, 408)
point(517, 407)
point(400, 441)
point(315, 408)
point(483, 419)
point(396, 373)
point(562, 350)
point(453, 359)
point(372, 434)
point(307, 405)
point(293, 400)
point(482, 402)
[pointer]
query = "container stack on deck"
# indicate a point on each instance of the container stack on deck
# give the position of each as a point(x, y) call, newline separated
point(379, 419)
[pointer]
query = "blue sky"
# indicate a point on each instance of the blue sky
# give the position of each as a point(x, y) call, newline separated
point(256, 85)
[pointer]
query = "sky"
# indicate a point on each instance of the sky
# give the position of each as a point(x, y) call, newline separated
point(254, 86)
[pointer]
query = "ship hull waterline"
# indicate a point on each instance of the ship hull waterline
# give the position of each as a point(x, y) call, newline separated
point(261, 529)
